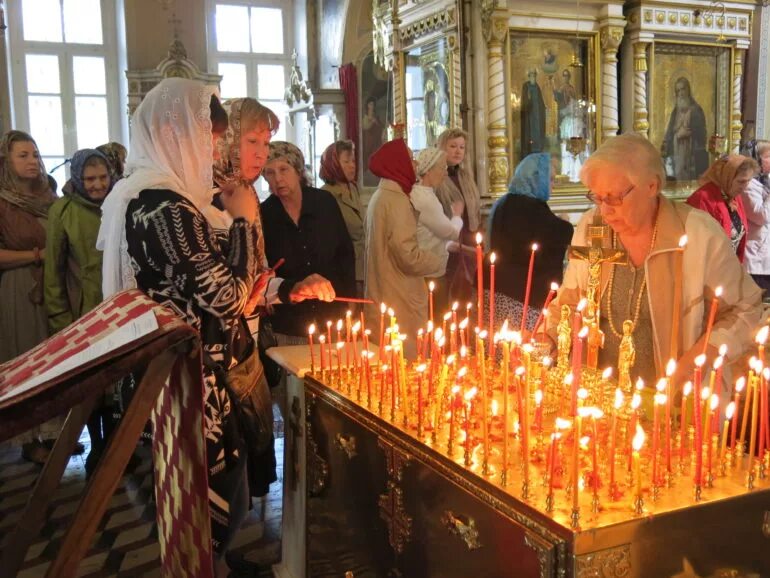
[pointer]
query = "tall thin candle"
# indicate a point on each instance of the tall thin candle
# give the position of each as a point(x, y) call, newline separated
point(617, 405)
point(728, 416)
point(670, 370)
point(739, 386)
point(712, 317)
point(528, 288)
point(310, 332)
point(431, 287)
point(698, 445)
point(492, 259)
point(678, 276)
point(683, 424)
point(479, 279)
point(540, 323)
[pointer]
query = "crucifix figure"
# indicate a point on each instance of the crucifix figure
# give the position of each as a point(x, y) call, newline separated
point(595, 254)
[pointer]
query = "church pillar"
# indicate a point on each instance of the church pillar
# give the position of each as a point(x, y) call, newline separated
point(641, 122)
point(5, 89)
point(495, 27)
point(735, 118)
point(456, 89)
point(610, 38)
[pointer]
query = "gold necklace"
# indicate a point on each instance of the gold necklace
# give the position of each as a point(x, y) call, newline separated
point(642, 289)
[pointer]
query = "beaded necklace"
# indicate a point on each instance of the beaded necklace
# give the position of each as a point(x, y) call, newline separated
point(642, 289)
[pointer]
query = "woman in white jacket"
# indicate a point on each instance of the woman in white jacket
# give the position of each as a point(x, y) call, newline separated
point(434, 229)
point(756, 201)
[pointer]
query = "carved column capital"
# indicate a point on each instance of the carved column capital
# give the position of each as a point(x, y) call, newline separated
point(610, 37)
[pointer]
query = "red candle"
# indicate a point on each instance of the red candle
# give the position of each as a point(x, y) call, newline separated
point(577, 365)
point(356, 328)
point(492, 259)
point(382, 331)
point(698, 445)
point(739, 385)
point(712, 316)
point(479, 279)
point(540, 323)
point(420, 409)
point(348, 329)
point(636, 401)
point(596, 413)
point(554, 450)
point(683, 422)
point(528, 289)
point(310, 331)
point(670, 369)
point(660, 399)
point(329, 345)
point(613, 433)
point(419, 344)
point(339, 361)
point(365, 354)
point(714, 405)
point(431, 287)
point(321, 341)
point(539, 410)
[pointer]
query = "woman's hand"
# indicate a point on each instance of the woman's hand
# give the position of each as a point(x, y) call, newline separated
point(457, 208)
point(241, 202)
point(312, 287)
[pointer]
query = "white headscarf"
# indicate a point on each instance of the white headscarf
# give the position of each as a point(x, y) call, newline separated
point(170, 148)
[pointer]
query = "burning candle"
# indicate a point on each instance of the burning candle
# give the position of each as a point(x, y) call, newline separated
point(355, 329)
point(492, 259)
point(617, 405)
point(637, 444)
point(382, 331)
point(329, 345)
point(713, 405)
point(754, 416)
point(712, 317)
point(420, 408)
point(321, 341)
point(670, 370)
point(479, 279)
point(366, 355)
point(582, 394)
point(660, 399)
point(698, 445)
point(739, 386)
point(310, 332)
point(552, 467)
point(539, 410)
point(683, 423)
point(528, 288)
point(540, 323)
point(339, 361)
point(577, 364)
point(506, 415)
point(431, 287)
point(761, 339)
point(747, 404)
point(636, 401)
point(728, 416)
point(677, 310)
point(480, 357)
point(348, 330)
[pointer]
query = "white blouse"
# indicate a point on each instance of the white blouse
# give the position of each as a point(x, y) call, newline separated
point(434, 228)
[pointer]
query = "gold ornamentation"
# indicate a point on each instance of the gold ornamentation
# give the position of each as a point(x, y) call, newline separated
point(648, 16)
point(685, 18)
point(610, 563)
point(610, 37)
point(672, 17)
point(382, 40)
point(487, 9)
point(395, 460)
point(464, 527)
point(437, 21)
point(564, 338)
point(626, 357)
point(731, 23)
point(399, 523)
point(660, 17)
point(317, 468)
point(498, 171)
point(543, 551)
point(347, 445)
point(742, 24)
point(497, 142)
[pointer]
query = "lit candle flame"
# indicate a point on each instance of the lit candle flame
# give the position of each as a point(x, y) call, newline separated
point(447, 316)
point(682, 241)
point(348, 313)
point(687, 389)
point(382, 309)
point(356, 327)
point(723, 349)
point(607, 373)
point(561, 423)
point(660, 398)
point(538, 396)
point(483, 334)
point(470, 394)
point(534, 247)
point(583, 332)
point(479, 238)
point(492, 258)
point(582, 304)
point(636, 401)
point(455, 305)
point(340, 345)
point(339, 324)
point(450, 359)
point(705, 393)
point(494, 407)
point(714, 401)
point(639, 384)
point(700, 360)
point(420, 368)
point(730, 410)
point(766, 373)
point(463, 371)
point(584, 442)
point(391, 312)
point(322, 338)
point(464, 323)
point(761, 337)
point(568, 379)
point(670, 368)
point(718, 362)
point(638, 440)
point(547, 361)
point(582, 393)
point(431, 286)
point(520, 371)
point(618, 398)
point(554, 286)
point(311, 329)
point(661, 385)
point(740, 384)
point(455, 389)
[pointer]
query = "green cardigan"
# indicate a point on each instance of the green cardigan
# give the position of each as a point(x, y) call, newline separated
point(73, 265)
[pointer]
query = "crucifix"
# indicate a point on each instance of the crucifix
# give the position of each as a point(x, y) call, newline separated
point(595, 255)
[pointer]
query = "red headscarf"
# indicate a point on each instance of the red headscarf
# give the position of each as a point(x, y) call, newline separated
point(392, 161)
point(331, 171)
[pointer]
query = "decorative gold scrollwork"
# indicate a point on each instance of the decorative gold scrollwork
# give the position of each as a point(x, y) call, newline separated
point(464, 527)
point(609, 563)
point(317, 468)
point(543, 551)
point(346, 444)
point(399, 523)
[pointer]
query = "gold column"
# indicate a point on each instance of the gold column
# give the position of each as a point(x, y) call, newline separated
point(641, 122)
point(497, 139)
point(610, 37)
point(735, 118)
point(455, 90)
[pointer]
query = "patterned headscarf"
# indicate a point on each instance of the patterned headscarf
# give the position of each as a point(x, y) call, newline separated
point(723, 172)
point(77, 166)
point(41, 197)
point(331, 171)
point(427, 158)
point(282, 150)
point(532, 177)
point(116, 156)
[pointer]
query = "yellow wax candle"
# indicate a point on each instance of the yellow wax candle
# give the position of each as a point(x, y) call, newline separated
point(506, 416)
point(728, 416)
point(754, 417)
point(576, 464)
point(637, 444)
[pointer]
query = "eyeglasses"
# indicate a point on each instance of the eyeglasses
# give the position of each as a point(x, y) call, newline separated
point(611, 200)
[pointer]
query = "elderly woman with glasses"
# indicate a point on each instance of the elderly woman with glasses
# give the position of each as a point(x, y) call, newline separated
point(648, 228)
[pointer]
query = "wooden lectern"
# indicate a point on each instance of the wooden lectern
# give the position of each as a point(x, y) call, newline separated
point(69, 373)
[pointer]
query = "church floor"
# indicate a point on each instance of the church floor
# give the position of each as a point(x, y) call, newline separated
point(125, 543)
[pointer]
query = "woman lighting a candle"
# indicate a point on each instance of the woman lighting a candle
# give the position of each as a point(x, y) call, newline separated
point(648, 227)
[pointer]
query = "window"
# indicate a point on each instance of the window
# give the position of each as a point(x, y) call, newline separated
point(64, 75)
point(248, 45)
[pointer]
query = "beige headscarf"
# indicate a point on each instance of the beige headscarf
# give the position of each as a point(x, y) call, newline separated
point(723, 172)
point(42, 196)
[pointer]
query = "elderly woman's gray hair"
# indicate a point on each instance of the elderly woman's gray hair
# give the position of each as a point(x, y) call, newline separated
point(286, 151)
point(619, 151)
